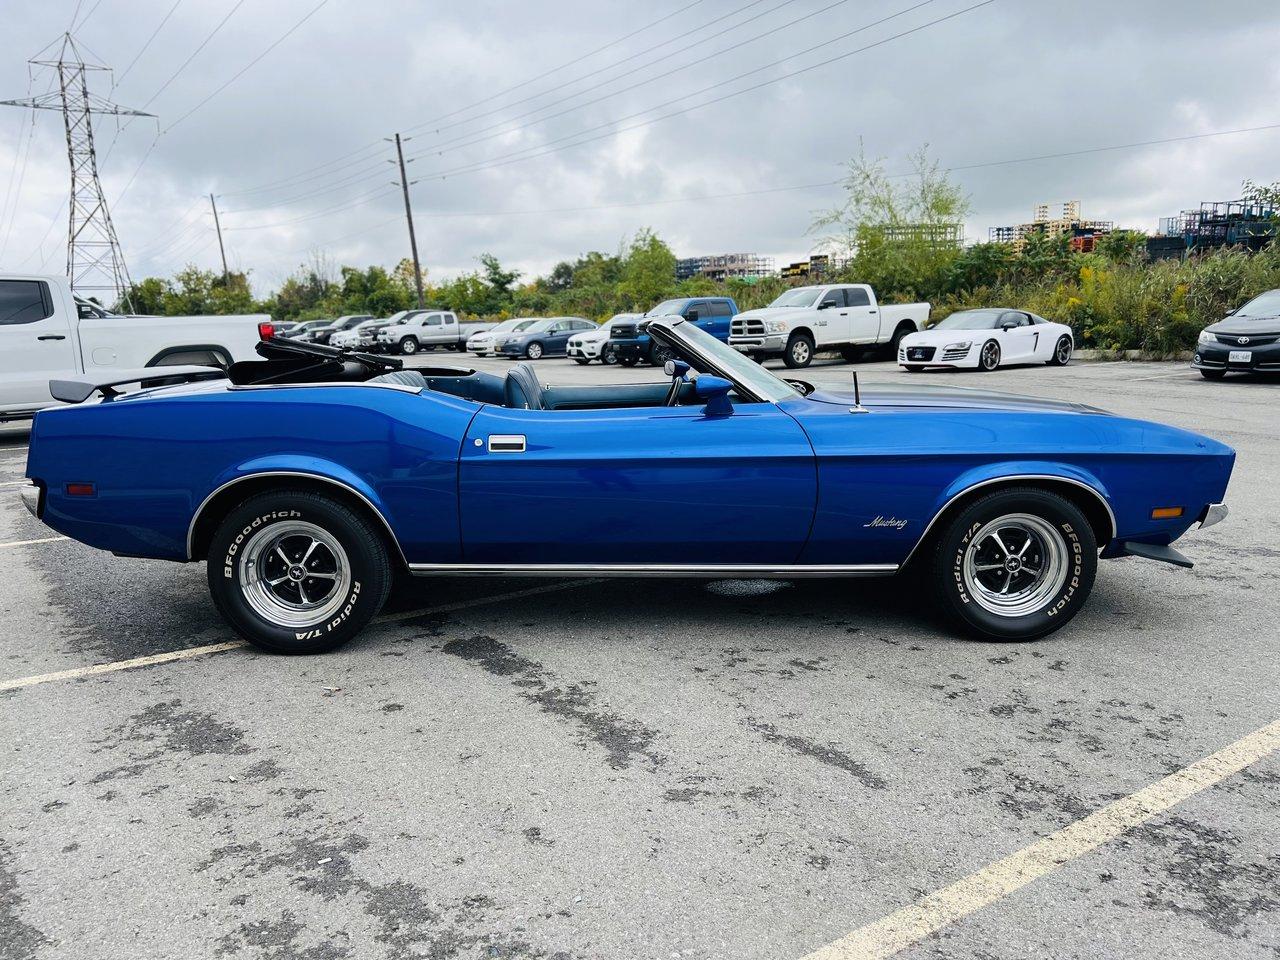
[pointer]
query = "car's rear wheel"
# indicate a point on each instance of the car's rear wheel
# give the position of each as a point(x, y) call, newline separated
point(533, 351)
point(799, 351)
point(1213, 374)
point(989, 358)
point(1061, 352)
point(408, 345)
point(1015, 565)
point(297, 572)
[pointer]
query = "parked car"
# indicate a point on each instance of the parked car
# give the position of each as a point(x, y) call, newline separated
point(630, 343)
point(986, 338)
point(46, 333)
point(845, 317)
point(548, 337)
point(588, 346)
point(303, 328)
point(482, 343)
point(724, 471)
point(322, 334)
point(425, 330)
point(362, 336)
point(1246, 341)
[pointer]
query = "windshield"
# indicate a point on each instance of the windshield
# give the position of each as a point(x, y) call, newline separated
point(729, 362)
point(537, 326)
point(799, 297)
point(1264, 305)
point(971, 320)
point(666, 308)
point(506, 325)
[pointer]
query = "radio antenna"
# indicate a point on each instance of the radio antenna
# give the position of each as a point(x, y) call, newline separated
point(857, 397)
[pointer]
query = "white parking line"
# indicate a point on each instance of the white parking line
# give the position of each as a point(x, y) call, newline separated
point(23, 543)
point(913, 924)
point(191, 652)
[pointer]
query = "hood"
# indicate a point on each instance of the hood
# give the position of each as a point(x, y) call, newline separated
point(955, 398)
point(770, 312)
point(935, 337)
point(1247, 326)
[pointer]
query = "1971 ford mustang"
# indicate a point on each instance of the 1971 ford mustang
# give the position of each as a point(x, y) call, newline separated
point(306, 478)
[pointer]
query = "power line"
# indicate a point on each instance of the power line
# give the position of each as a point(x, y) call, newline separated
point(92, 10)
point(515, 157)
point(635, 56)
point(196, 52)
point(346, 205)
point(376, 144)
point(154, 33)
point(635, 86)
point(245, 69)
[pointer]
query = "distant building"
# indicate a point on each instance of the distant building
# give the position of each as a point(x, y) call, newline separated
point(936, 234)
point(1083, 233)
point(817, 266)
point(1226, 223)
point(722, 266)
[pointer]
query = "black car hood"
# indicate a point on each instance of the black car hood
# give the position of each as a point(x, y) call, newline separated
point(888, 395)
point(1246, 326)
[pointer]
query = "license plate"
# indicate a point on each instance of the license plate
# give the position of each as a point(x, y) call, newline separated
point(1240, 356)
point(915, 354)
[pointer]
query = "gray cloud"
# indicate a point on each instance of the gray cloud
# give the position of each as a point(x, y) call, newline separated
point(1013, 79)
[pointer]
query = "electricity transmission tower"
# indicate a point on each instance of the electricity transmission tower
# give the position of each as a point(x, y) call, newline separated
point(94, 260)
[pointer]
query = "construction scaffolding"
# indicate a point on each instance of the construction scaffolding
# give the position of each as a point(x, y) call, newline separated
point(1084, 234)
point(724, 265)
point(1225, 223)
point(815, 268)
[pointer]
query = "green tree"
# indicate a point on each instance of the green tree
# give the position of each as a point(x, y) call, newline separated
point(648, 271)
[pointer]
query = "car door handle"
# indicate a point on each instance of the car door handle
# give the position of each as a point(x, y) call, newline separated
point(52, 336)
point(506, 443)
point(873, 310)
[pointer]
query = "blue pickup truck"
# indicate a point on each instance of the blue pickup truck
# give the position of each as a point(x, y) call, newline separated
point(630, 344)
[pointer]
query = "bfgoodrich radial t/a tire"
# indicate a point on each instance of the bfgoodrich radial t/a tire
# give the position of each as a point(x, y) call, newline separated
point(297, 572)
point(1015, 565)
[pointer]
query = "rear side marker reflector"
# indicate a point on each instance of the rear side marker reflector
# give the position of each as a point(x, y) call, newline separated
point(1166, 513)
point(81, 490)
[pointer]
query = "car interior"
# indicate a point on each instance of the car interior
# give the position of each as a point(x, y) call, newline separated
point(292, 362)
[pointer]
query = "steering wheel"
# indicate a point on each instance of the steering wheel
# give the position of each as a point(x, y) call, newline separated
point(676, 370)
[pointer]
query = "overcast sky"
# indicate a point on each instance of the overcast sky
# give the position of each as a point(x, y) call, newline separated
point(293, 147)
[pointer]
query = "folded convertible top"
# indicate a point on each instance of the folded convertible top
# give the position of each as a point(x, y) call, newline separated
point(80, 390)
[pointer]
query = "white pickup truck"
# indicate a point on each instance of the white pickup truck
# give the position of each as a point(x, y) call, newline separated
point(47, 333)
point(412, 330)
point(844, 317)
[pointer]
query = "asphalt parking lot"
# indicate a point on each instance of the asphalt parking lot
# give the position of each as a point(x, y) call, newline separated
point(636, 769)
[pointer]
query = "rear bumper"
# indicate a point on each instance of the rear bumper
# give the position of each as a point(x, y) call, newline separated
point(1212, 513)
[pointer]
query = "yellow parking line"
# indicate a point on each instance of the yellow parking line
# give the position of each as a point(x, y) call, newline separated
point(913, 924)
point(23, 543)
point(191, 652)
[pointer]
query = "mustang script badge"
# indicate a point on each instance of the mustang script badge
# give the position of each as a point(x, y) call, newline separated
point(893, 522)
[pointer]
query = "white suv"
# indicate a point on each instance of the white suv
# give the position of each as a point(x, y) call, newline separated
point(585, 347)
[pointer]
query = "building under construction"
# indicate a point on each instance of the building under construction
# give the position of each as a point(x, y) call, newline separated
point(815, 268)
point(1227, 223)
point(1083, 233)
point(724, 265)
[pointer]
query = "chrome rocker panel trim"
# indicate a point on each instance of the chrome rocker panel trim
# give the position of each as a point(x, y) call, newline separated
point(1007, 479)
point(191, 527)
point(696, 570)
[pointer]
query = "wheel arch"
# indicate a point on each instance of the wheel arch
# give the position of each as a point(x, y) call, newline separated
point(1086, 494)
point(226, 495)
point(802, 330)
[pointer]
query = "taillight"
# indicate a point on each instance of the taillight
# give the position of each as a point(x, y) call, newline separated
point(266, 331)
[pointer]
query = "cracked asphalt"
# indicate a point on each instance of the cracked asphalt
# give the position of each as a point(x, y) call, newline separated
point(636, 769)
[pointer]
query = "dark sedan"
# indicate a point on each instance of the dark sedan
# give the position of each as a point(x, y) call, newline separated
point(1247, 341)
point(546, 338)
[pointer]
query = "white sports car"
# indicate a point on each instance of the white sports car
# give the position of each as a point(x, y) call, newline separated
point(984, 339)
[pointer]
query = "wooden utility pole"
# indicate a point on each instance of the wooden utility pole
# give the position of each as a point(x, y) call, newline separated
point(226, 274)
point(408, 215)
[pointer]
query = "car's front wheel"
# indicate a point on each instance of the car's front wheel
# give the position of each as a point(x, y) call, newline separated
point(799, 351)
point(533, 351)
point(297, 572)
point(609, 357)
point(408, 345)
point(989, 358)
point(1015, 565)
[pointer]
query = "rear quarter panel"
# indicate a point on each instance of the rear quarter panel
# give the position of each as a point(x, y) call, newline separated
point(155, 458)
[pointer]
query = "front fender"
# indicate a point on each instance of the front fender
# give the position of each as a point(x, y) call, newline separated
point(989, 473)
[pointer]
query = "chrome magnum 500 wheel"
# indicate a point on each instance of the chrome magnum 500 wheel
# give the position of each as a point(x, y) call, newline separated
point(296, 572)
point(1016, 564)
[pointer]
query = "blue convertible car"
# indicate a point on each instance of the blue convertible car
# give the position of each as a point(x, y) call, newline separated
point(306, 478)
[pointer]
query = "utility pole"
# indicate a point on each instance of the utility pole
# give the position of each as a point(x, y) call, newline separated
point(403, 183)
point(226, 276)
point(94, 259)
